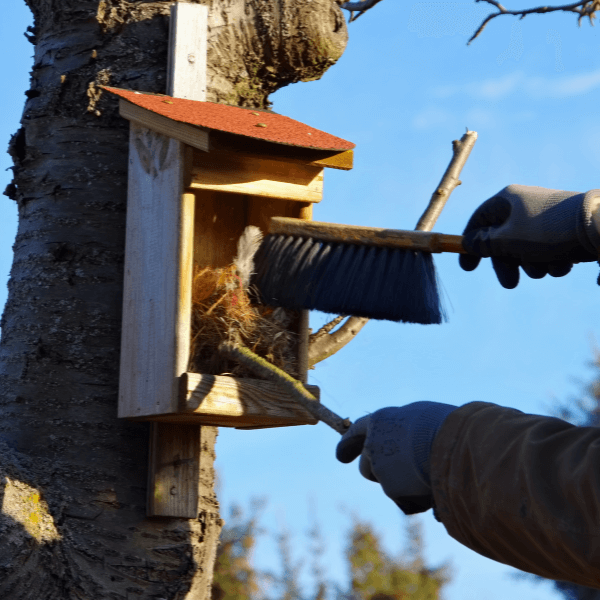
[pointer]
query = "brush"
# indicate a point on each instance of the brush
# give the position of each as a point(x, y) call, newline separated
point(352, 270)
point(361, 271)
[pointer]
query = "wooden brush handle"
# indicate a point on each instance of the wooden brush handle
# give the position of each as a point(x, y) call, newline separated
point(424, 241)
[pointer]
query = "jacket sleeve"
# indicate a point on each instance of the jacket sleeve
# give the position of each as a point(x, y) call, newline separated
point(521, 489)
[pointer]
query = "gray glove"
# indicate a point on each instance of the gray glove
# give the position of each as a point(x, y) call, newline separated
point(394, 445)
point(542, 231)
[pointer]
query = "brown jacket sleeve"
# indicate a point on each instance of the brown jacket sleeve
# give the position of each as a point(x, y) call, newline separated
point(521, 489)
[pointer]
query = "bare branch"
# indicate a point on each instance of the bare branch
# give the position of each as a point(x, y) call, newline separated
point(587, 8)
point(360, 7)
point(326, 329)
point(323, 344)
point(326, 345)
point(450, 180)
point(286, 382)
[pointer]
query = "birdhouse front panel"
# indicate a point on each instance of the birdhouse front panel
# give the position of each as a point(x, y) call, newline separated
point(204, 181)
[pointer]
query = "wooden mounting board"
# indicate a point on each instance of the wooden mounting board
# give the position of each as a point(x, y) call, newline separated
point(173, 470)
point(159, 260)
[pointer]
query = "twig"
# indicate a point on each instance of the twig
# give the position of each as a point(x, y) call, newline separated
point(461, 149)
point(326, 328)
point(329, 344)
point(286, 382)
point(587, 8)
point(360, 7)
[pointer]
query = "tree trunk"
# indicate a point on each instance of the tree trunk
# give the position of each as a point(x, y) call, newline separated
point(73, 477)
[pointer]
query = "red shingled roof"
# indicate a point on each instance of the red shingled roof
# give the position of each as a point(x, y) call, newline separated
point(263, 125)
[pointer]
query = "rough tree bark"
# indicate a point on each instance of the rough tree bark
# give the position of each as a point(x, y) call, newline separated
point(73, 477)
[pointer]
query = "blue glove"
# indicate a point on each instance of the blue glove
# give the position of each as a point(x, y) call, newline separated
point(394, 445)
point(542, 231)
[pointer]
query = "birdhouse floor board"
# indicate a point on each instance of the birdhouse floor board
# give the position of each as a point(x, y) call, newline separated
point(240, 402)
point(265, 177)
point(188, 134)
point(243, 403)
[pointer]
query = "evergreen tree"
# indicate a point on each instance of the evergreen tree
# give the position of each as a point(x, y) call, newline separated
point(374, 575)
point(288, 582)
point(316, 551)
point(377, 576)
point(234, 575)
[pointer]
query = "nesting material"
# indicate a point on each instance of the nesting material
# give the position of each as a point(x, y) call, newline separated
point(223, 310)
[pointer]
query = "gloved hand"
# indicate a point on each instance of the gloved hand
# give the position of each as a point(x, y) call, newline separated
point(542, 231)
point(394, 445)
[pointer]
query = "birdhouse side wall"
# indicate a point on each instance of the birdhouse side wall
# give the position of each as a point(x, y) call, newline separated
point(156, 305)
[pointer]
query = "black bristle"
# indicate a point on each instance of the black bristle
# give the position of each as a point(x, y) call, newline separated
point(271, 281)
point(363, 283)
point(377, 283)
point(354, 283)
point(288, 295)
point(375, 292)
point(333, 283)
point(308, 273)
point(324, 275)
point(267, 249)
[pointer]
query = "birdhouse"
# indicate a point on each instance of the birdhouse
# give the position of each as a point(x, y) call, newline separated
point(199, 174)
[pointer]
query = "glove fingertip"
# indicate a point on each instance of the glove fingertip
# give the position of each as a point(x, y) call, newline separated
point(348, 449)
point(535, 270)
point(468, 262)
point(413, 505)
point(507, 272)
point(559, 268)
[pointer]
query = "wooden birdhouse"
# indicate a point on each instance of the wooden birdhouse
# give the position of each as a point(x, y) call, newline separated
point(199, 173)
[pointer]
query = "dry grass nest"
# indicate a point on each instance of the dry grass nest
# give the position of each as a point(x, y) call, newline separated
point(222, 310)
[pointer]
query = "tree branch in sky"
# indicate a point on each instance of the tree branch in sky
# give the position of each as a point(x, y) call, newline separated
point(360, 7)
point(584, 9)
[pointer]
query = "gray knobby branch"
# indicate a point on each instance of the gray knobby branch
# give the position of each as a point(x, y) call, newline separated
point(584, 9)
point(322, 344)
point(326, 329)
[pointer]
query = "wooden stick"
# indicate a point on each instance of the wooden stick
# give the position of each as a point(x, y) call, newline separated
point(260, 366)
point(461, 148)
point(371, 236)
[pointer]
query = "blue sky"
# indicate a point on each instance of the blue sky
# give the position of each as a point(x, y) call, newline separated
point(405, 88)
